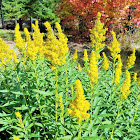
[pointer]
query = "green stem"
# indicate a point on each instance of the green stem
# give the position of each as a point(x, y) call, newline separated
point(134, 116)
point(79, 134)
point(116, 120)
point(66, 81)
point(91, 85)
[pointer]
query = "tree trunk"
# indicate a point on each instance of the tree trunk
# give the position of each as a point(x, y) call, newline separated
point(31, 20)
point(2, 17)
point(20, 23)
point(15, 21)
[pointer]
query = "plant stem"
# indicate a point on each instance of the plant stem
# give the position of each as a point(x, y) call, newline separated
point(79, 134)
point(91, 85)
point(66, 81)
point(116, 120)
point(134, 116)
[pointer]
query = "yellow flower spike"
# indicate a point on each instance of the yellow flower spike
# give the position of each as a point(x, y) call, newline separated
point(105, 62)
point(125, 87)
point(97, 35)
point(72, 90)
point(75, 55)
point(15, 138)
point(114, 48)
point(5, 54)
point(27, 34)
point(93, 69)
point(55, 49)
point(85, 58)
point(38, 40)
point(79, 67)
point(131, 59)
point(79, 106)
point(135, 77)
point(61, 102)
point(118, 70)
point(20, 42)
point(18, 115)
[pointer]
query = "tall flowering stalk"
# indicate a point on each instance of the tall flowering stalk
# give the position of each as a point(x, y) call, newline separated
point(55, 49)
point(62, 109)
point(93, 68)
point(135, 77)
point(79, 106)
point(93, 76)
point(20, 42)
point(126, 86)
point(20, 122)
point(97, 35)
point(85, 58)
point(75, 55)
point(115, 50)
point(131, 59)
point(125, 91)
point(118, 71)
point(105, 62)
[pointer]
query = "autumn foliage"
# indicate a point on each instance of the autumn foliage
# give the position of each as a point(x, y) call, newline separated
point(118, 15)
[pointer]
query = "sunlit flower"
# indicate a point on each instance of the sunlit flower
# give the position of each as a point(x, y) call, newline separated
point(118, 70)
point(75, 55)
point(79, 67)
point(131, 59)
point(15, 138)
point(135, 77)
point(61, 102)
point(125, 87)
point(114, 48)
point(85, 58)
point(93, 69)
point(97, 35)
point(105, 62)
point(79, 106)
point(18, 115)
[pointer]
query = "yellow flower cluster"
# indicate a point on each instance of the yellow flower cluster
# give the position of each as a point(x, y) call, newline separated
point(18, 115)
point(105, 62)
point(15, 138)
point(20, 42)
point(93, 69)
point(97, 35)
point(75, 55)
point(85, 58)
point(55, 49)
point(6, 54)
point(131, 59)
point(135, 77)
point(118, 70)
point(114, 48)
point(79, 106)
point(125, 87)
point(61, 102)
point(36, 46)
point(79, 67)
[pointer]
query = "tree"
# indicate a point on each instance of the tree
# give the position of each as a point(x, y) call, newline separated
point(2, 17)
point(45, 10)
point(80, 14)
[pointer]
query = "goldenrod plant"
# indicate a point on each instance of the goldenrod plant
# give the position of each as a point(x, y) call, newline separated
point(47, 94)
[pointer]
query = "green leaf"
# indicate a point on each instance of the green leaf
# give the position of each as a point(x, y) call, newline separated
point(91, 138)
point(65, 138)
point(29, 126)
point(10, 103)
point(106, 126)
point(39, 124)
point(136, 137)
point(48, 93)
